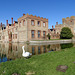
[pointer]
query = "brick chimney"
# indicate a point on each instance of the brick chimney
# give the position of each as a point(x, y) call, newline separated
point(7, 22)
point(52, 26)
point(23, 14)
point(12, 20)
point(1, 24)
point(56, 23)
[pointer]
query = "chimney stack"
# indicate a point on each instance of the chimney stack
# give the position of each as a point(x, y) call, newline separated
point(56, 23)
point(7, 22)
point(1, 24)
point(12, 20)
point(23, 14)
point(52, 26)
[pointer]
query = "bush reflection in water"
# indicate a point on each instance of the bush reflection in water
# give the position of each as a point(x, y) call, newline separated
point(67, 45)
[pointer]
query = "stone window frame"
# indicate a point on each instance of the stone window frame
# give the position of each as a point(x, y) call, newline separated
point(39, 24)
point(16, 48)
point(33, 50)
point(24, 23)
point(34, 22)
point(40, 33)
point(43, 24)
point(13, 36)
point(43, 33)
point(32, 34)
point(9, 36)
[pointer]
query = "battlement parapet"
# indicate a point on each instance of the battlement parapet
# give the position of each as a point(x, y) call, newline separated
point(32, 17)
point(72, 17)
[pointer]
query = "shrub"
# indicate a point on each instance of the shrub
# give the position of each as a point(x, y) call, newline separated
point(66, 33)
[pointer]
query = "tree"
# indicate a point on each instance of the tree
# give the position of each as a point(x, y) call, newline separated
point(48, 36)
point(66, 33)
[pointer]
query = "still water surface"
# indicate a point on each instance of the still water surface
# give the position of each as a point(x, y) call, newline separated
point(11, 51)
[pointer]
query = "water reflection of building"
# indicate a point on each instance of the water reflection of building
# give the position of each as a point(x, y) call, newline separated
point(55, 47)
point(35, 49)
point(14, 50)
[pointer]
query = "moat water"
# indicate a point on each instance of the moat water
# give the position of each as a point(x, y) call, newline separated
point(11, 51)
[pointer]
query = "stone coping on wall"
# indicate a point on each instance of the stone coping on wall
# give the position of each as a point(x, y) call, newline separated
point(44, 41)
point(53, 41)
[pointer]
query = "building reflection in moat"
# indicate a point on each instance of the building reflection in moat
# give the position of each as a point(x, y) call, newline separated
point(11, 51)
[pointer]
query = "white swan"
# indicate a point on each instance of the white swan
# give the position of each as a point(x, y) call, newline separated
point(25, 54)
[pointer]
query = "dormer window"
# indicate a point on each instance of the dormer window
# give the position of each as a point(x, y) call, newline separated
point(44, 24)
point(32, 22)
point(24, 22)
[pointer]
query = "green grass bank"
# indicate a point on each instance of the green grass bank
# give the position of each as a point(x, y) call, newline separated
point(44, 64)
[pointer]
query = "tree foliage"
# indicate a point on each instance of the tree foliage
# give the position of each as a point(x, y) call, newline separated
point(66, 33)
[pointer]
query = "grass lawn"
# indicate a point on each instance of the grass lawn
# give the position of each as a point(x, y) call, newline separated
point(44, 64)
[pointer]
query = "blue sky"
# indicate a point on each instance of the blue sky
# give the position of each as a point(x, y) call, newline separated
point(54, 10)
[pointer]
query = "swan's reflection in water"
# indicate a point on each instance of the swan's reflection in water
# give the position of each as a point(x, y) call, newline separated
point(11, 51)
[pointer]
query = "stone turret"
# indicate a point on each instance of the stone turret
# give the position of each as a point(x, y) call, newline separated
point(63, 20)
point(68, 21)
